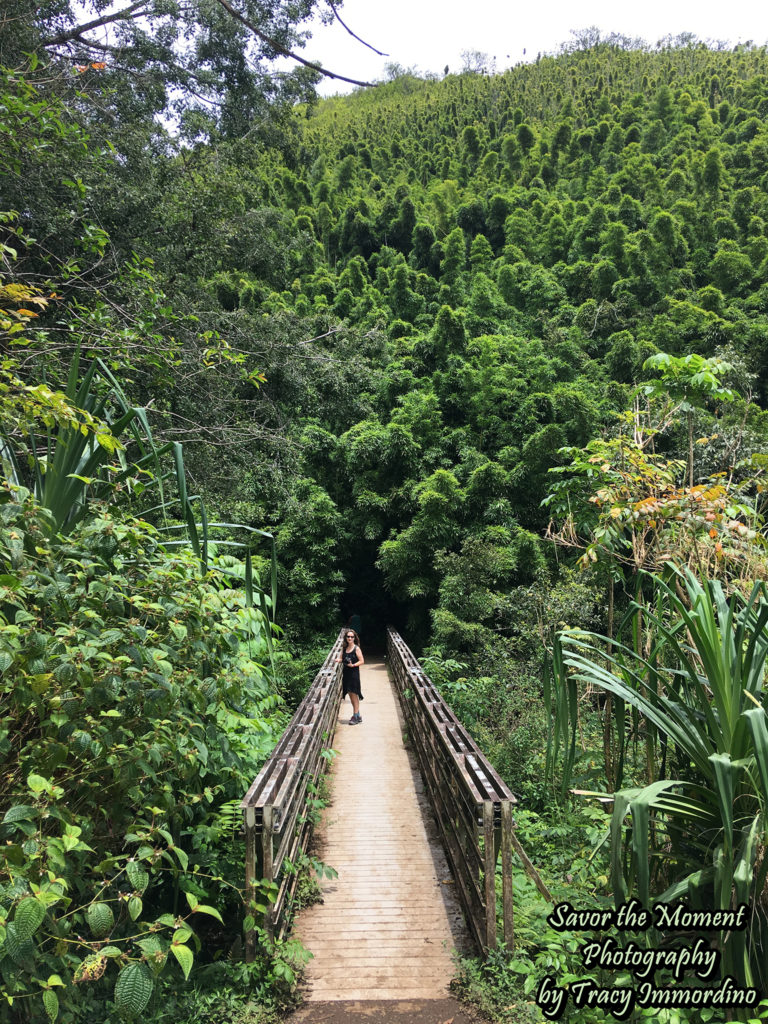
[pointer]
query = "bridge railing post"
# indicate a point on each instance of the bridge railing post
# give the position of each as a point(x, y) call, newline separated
point(250, 877)
point(489, 874)
point(268, 863)
point(507, 829)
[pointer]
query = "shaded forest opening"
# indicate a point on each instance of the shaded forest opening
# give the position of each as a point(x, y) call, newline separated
point(365, 594)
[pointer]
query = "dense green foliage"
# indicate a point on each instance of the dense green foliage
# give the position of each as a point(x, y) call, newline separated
point(135, 708)
point(418, 333)
point(697, 832)
point(138, 675)
point(524, 242)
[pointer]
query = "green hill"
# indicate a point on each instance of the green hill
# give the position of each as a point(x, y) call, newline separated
point(523, 242)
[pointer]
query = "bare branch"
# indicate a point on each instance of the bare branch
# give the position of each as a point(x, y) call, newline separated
point(286, 53)
point(338, 18)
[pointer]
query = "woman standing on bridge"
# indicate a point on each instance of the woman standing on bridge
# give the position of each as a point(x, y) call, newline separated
point(352, 657)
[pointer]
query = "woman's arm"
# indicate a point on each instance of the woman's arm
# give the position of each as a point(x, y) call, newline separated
point(361, 659)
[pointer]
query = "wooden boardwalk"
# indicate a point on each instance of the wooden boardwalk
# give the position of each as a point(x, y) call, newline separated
point(390, 921)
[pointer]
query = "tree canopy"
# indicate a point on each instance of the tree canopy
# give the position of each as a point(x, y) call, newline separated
point(205, 64)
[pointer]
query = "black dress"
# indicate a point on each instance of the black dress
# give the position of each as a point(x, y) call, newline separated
point(350, 679)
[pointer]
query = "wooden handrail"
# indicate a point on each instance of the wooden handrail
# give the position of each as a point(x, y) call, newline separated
point(277, 827)
point(472, 804)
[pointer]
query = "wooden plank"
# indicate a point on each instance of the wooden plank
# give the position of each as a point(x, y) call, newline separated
point(489, 848)
point(507, 829)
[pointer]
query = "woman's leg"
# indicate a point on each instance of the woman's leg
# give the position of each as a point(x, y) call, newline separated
point(355, 703)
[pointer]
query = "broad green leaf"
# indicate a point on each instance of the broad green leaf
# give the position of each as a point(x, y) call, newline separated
point(137, 876)
point(100, 919)
point(185, 957)
point(212, 911)
point(155, 953)
point(151, 945)
point(29, 915)
point(51, 1004)
point(41, 682)
point(19, 812)
point(21, 951)
point(133, 989)
point(49, 898)
point(135, 906)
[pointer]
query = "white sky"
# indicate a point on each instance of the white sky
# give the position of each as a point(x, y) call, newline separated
point(431, 33)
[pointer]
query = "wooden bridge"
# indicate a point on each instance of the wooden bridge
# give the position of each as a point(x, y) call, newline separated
point(416, 851)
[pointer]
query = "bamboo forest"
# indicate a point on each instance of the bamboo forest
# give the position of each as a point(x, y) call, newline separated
point(481, 356)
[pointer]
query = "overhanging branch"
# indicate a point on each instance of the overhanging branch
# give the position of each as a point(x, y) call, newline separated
point(273, 44)
point(125, 14)
point(141, 8)
point(337, 16)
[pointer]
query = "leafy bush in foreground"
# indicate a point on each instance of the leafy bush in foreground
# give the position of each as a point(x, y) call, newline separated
point(133, 706)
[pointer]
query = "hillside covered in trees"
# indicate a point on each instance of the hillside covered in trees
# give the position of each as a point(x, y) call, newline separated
point(484, 356)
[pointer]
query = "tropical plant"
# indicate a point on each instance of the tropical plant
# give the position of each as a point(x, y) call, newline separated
point(72, 464)
point(619, 501)
point(699, 826)
point(688, 381)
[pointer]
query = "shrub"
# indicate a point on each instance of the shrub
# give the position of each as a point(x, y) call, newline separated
point(135, 711)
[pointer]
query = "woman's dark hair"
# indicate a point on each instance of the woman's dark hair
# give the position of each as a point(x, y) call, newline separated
point(354, 634)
